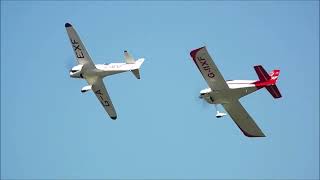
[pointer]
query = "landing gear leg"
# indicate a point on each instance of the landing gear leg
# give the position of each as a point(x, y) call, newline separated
point(219, 114)
point(215, 105)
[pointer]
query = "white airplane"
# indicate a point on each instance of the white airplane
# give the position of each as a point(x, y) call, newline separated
point(228, 93)
point(94, 73)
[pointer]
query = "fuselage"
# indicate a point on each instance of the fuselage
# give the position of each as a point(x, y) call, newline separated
point(102, 70)
point(237, 89)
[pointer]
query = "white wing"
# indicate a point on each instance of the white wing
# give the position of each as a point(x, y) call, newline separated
point(243, 120)
point(78, 47)
point(100, 91)
point(208, 69)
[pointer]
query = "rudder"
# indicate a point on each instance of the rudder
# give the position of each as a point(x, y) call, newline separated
point(128, 58)
point(274, 74)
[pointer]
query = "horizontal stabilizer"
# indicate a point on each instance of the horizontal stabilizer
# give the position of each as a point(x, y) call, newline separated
point(274, 91)
point(136, 73)
point(262, 74)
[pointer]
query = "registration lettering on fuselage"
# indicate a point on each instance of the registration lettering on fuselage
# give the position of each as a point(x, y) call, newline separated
point(115, 66)
point(204, 64)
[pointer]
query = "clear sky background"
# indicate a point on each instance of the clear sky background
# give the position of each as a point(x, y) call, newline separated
point(49, 129)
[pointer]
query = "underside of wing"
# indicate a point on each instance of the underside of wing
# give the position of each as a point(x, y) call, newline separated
point(78, 47)
point(208, 69)
point(100, 91)
point(243, 120)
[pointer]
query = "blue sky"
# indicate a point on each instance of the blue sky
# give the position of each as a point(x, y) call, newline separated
point(49, 129)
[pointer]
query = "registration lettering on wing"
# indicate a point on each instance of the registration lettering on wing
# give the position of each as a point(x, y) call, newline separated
point(205, 66)
point(76, 48)
point(103, 101)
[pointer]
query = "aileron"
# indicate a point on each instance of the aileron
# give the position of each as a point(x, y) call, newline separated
point(243, 120)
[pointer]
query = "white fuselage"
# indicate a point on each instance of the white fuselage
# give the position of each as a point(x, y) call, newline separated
point(102, 70)
point(237, 89)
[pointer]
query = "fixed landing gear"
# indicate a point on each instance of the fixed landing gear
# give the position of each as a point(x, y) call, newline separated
point(219, 114)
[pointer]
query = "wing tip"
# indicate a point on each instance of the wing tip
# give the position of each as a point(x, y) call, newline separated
point(193, 53)
point(257, 134)
point(68, 25)
point(113, 117)
point(252, 135)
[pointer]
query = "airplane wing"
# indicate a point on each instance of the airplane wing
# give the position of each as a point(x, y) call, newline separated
point(208, 69)
point(78, 47)
point(100, 91)
point(243, 120)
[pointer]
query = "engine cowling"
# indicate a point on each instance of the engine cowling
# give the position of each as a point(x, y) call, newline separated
point(205, 94)
point(76, 71)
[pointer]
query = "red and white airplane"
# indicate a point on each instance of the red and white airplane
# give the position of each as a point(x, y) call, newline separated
point(228, 93)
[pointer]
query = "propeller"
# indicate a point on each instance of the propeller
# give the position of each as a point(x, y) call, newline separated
point(205, 104)
point(69, 63)
point(200, 101)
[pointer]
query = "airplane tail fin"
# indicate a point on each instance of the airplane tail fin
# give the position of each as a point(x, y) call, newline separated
point(268, 80)
point(129, 60)
point(274, 74)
